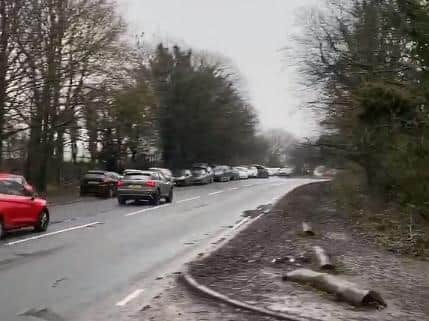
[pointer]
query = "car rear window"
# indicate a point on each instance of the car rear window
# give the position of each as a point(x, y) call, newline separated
point(18, 179)
point(11, 187)
point(137, 177)
point(94, 175)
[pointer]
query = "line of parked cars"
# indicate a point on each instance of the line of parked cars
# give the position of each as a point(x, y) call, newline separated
point(155, 184)
point(204, 174)
point(20, 207)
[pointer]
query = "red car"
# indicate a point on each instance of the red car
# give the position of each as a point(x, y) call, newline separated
point(20, 208)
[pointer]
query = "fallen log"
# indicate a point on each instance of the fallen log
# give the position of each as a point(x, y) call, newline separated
point(307, 229)
point(323, 259)
point(342, 289)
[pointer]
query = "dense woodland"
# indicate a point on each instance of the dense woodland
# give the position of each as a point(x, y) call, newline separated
point(73, 90)
point(369, 60)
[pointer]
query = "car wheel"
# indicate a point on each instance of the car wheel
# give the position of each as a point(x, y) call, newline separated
point(82, 192)
point(2, 230)
point(170, 196)
point(156, 198)
point(122, 200)
point(110, 193)
point(42, 224)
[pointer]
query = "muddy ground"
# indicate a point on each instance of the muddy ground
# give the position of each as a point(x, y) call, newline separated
point(243, 269)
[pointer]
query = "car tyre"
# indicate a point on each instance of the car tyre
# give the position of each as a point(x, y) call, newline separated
point(156, 198)
point(2, 230)
point(109, 193)
point(82, 192)
point(122, 200)
point(43, 223)
point(169, 198)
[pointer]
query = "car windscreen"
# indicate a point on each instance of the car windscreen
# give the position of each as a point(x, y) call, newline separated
point(138, 177)
point(198, 172)
point(11, 187)
point(179, 172)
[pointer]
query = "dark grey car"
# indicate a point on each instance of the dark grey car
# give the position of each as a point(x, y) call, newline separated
point(145, 185)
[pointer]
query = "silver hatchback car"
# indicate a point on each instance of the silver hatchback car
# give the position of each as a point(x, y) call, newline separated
point(144, 185)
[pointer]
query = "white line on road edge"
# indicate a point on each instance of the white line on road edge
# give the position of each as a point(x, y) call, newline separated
point(129, 298)
point(53, 233)
point(274, 200)
point(236, 226)
point(215, 193)
point(188, 200)
point(146, 210)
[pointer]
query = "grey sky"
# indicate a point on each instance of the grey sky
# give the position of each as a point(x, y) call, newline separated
point(249, 32)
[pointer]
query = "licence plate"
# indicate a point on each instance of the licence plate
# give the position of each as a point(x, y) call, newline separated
point(92, 183)
point(135, 186)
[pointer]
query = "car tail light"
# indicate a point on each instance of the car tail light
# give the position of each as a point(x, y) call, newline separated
point(151, 184)
point(120, 183)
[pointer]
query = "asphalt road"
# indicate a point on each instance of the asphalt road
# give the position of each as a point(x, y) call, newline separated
point(101, 261)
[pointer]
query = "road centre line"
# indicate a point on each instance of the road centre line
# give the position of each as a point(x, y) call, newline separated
point(53, 233)
point(215, 193)
point(188, 200)
point(236, 226)
point(146, 210)
point(129, 298)
point(233, 188)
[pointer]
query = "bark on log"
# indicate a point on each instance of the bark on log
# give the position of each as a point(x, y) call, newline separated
point(307, 229)
point(344, 290)
point(323, 258)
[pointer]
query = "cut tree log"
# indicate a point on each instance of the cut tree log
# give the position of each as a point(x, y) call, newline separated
point(323, 259)
point(307, 229)
point(344, 290)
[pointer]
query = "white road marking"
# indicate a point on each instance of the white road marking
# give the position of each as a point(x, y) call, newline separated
point(236, 226)
point(274, 200)
point(233, 188)
point(248, 185)
point(129, 298)
point(53, 233)
point(215, 193)
point(146, 210)
point(258, 217)
point(188, 200)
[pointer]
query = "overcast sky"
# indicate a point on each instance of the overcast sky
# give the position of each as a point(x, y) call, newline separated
point(249, 32)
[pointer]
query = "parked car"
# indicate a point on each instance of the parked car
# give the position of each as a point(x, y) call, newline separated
point(235, 174)
point(252, 171)
point(166, 172)
point(145, 185)
point(19, 207)
point(207, 168)
point(98, 182)
point(285, 172)
point(19, 179)
point(243, 172)
point(222, 173)
point(262, 171)
point(182, 177)
point(201, 176)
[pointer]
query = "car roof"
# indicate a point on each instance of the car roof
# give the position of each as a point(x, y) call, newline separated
point(96, 171)
point(137, 172)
